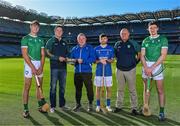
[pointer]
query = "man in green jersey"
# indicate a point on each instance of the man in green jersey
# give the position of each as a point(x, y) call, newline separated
point(33, 53)
point(153, 53)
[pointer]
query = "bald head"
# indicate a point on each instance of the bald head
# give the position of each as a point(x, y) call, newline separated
point(124, 34)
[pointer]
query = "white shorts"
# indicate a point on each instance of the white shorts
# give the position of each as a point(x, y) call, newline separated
point(98, 81)
point(155, 72)
point(28, 71)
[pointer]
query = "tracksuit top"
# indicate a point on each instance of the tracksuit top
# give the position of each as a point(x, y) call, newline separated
point(86, 53)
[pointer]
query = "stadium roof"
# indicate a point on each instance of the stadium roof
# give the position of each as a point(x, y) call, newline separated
point(19, 12)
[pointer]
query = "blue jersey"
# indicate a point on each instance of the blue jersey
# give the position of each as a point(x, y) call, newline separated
point(106, 52)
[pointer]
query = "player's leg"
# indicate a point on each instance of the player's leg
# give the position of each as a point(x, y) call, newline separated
point(98, 89)
point(38, 95)
point(26, 89)
point(146, 94)
point(161, 96)
point(40, 78)
point(108, 85)
point(120, 89)
point(27, 86)
point(108, 98)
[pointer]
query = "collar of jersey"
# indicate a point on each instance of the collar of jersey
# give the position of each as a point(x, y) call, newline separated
point(154, 37)
point(34, 36)
point(103, 46)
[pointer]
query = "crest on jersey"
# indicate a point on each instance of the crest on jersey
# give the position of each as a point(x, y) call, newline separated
point(129, 46)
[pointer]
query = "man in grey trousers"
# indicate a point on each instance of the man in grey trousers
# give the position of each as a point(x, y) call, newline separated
point(127, 53)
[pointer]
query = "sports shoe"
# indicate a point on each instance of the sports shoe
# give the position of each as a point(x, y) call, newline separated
point(52, 110)
point(65, 108)
point(90, 108)
point(161, 117)
point(26, 114)
point(116, 110)
point(109, 109)
point(98, 109)
point(134, 112)
point(76, 108)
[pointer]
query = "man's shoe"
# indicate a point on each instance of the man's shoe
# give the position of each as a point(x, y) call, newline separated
point(161, 117)
point(26, 114)
point(134, 112)
point(98, 108)
point(116, 110)
point(90, 108)
point(52, 110)
point(109, 109)
point(76, 108)
point(65, 108)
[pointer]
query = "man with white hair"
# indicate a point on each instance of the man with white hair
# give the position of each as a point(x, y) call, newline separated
point(84, 56)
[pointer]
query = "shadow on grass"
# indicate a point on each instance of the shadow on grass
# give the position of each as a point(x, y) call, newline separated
point(80, 118)
point(67, 118)
point(54, 120)
point(110, 119)
point(151, 120)
point(34, 122)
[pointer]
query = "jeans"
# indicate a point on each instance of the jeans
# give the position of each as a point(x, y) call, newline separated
point(58, 75)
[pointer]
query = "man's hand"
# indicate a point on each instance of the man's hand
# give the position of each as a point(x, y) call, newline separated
point(79, 61)
point(148, 71)
point(39, 71)
point(110, 60)
point(62, 59)
point(34, 71)
point(103, 61)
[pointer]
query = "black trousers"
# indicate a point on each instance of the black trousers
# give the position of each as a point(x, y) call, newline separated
point(79, 80)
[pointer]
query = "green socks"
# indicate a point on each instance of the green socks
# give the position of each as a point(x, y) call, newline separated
point(161, 110)
point(41, 102)
point(26, 107)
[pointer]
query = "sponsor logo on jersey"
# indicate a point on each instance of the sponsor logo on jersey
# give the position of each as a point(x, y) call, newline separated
point(26, 72)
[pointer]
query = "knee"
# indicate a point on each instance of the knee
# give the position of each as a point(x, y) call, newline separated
point(26, 87)
point(53, 89)
point(160, 91)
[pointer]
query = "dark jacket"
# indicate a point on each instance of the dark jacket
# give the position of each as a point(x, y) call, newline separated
point(125, 53)
point(57, 48)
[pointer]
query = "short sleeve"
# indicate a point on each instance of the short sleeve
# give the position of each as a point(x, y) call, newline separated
point(42, 43)
point(24, 43)
point(143, 45)
point(164, 42)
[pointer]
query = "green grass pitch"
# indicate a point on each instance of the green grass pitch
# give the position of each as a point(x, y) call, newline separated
point(11, 85)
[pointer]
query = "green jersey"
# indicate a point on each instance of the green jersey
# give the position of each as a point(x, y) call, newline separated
point(34, 45)
point(153, 47)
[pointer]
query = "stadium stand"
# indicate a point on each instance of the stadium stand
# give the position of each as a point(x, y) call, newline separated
point(13, 29)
